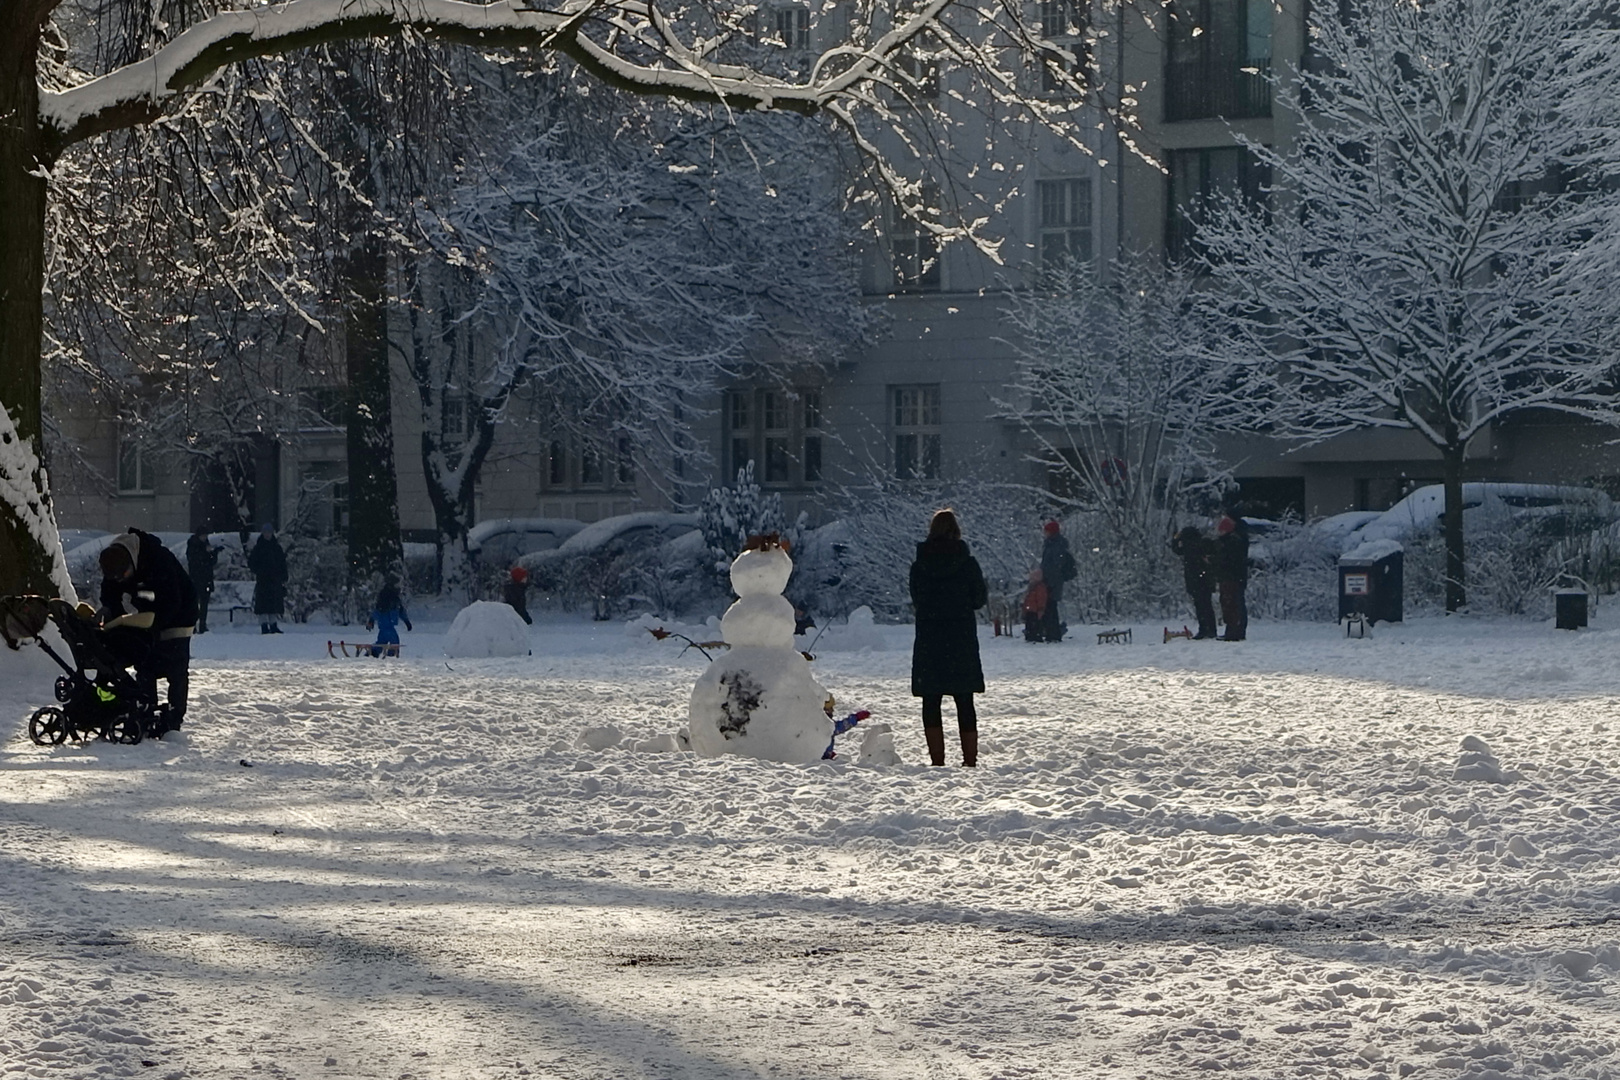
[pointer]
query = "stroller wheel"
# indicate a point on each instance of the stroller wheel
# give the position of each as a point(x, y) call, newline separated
point(64, 689)
point(47, 727)
point(124, 729)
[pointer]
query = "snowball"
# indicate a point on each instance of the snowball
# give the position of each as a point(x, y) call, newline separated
point(484, 628)
point(878, 746)
point(757, 573)
point(759, 619)
point(761, 703)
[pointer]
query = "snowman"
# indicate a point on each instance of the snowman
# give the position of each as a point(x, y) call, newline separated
point(759, 699)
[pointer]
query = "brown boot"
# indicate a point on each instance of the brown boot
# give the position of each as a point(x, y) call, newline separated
point(970, 748)
point(936, 744)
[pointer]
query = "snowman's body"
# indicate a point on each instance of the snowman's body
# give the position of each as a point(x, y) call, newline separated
point(759, 699)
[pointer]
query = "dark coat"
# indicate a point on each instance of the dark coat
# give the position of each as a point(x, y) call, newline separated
point(947, 587)
point(200, 559)
point(268, 562)
point(159, 585)
point(1231, 561)
point(1057, 564)
point(1195, 551)
point(516, 595)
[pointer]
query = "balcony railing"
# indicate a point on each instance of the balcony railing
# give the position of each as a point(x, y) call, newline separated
point(1200, 89)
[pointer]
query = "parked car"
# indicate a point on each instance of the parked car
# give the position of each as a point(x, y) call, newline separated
point(1555, 506)
point(502, 541)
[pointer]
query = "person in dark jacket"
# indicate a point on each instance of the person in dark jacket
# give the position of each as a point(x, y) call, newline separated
point(268, 562)
point(516, 593)
point(1231, 563)
point(947, 587)
point(148, 612)
point(201, 556)
point(1057, 567)
point(1195, 552)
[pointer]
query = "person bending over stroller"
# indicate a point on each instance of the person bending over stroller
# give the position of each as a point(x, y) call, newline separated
point(386, 616)
point(148, 612)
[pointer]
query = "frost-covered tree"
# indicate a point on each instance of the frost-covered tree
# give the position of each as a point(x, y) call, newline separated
point(606, 265)
point(1113, 386)
point(899, 81)
point(1443, 239)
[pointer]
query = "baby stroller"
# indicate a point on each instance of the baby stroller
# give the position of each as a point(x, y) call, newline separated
point(99, 698)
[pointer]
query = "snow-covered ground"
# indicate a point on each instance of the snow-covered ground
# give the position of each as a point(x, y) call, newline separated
point(1274, 859)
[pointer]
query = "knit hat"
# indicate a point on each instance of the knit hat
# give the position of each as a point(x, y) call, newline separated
point(1225, 525)
point(519, 574)
point(1050, 528)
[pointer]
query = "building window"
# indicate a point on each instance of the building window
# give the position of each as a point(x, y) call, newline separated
point(812, 436)
point(453, 412)
point(1218, 59)
point(916, 431)
point(793, 28)
point(134, 467)
point(1201, 178)
point(1063, 23)
point(590, 464)
point(1065, 221)
point(776, 423)
point(626, 469)
point(913, 250)
point(740, 428)
point(556, 464)
point(918, 64)
point(777, 430)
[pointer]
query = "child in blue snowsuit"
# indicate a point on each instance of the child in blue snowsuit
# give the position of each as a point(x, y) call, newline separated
point(386, 615)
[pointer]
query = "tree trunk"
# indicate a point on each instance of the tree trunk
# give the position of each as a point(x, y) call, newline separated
point(30, 549)
point(1456, 592)
point(374, 544)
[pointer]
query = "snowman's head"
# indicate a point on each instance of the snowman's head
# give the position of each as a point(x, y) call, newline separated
point(761, 570)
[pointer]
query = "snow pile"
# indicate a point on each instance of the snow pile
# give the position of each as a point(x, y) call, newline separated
point(1476, 762)
point(858, 633)
point(484, 628)
point(878, 746)
point(760, 700)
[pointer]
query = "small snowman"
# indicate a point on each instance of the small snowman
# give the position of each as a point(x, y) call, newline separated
point(759, 699)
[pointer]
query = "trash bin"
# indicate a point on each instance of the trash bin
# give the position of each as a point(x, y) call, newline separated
point(1370, 581)
point(1569, 605)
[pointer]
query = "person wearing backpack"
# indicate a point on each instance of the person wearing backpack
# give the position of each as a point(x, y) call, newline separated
point(1057, 568)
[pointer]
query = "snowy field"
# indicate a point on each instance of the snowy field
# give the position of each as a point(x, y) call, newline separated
point(1272, 859)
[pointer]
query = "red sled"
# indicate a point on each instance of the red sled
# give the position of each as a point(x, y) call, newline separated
point(360, 649)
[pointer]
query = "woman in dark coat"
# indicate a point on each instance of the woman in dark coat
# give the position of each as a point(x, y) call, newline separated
point(268, 563)
point(947, 587)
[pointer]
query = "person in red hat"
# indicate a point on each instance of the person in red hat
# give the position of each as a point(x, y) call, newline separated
point(1057, 568)
point(516, 593)
point(1231, 565)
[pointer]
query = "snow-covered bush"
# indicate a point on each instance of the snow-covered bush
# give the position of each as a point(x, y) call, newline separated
point(1296, 573)
point(1512, 567)
point(882, 522)
point(730, 515)
point(317, 578)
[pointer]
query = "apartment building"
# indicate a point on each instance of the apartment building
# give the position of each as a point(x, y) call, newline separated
point(928, 399)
